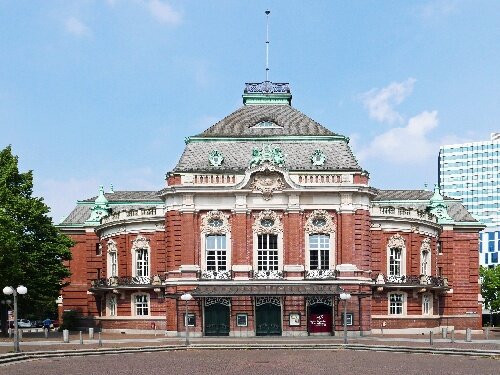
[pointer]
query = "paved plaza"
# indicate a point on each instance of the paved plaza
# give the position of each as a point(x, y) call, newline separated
point(259, 362)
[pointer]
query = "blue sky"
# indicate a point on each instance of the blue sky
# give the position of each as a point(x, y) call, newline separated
point(104, 92)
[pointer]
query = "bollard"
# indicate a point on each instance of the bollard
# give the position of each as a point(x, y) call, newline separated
point(81, 338)
point(100, 341)
point(444, 332)
point(91, 333)
point(46, 332)
point(487, 333)
point(468, 335)
point(65, 335)
point(431, 338)
point(452, 336)
point(10, 333)
point(20, 335)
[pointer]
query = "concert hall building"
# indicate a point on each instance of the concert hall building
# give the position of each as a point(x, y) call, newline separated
point(266, 221)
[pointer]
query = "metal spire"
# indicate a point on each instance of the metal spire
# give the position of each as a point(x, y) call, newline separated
point(267, 44)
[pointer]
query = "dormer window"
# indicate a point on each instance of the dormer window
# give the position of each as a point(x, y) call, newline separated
point(266, 124)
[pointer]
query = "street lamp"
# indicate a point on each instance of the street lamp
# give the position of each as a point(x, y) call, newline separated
point(8, 290)
point(345, 296)
point(186, 297)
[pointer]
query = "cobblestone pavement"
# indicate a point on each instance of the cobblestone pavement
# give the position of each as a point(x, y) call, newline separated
point(259, 362)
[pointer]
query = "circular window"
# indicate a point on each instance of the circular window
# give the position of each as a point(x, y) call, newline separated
point(319, 222)
point(215, 222)
point(267, 223)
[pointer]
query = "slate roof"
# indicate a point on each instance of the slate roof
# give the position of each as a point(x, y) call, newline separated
point(456, 209)
point(237, 156)
point(240, 123)
point(135, 199)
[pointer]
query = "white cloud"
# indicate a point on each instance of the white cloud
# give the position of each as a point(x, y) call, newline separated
point(408, 144)
point(164, 13)
point(76, 27)
point(380, 102)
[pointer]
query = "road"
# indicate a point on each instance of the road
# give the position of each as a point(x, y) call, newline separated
point(259, 362)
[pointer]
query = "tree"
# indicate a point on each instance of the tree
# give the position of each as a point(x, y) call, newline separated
point(32, 250)
point(490, 287)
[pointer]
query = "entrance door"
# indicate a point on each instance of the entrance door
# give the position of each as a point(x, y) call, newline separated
point(217, 320)
point(268, 318)
point(320, 319)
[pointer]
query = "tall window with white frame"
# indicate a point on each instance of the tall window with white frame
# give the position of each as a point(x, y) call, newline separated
point(319, 251)
point(426, 304)
point(394, 261)
point(216, 242)
point(396, 257)
point(141, 257)
point(396, 303)
point(216, 257)
point(111, 305)
point(267, 252)
point(425, 257)
point(141, 304)
point(112, 259)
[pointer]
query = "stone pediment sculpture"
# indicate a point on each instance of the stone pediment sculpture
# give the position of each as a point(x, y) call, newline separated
point(268, 153)
point(267, 183)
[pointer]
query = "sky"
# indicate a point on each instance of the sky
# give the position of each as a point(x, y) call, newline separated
point(97, 92)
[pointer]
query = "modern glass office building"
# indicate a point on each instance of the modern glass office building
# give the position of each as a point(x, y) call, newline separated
point(470, 171)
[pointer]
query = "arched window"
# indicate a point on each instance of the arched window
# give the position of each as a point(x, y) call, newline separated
point(111, 305)
point(427, 304)
point(140, 257)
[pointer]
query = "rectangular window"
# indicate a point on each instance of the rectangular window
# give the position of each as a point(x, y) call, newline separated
point(98, 249)
point(142, 262)
point(215, 246)
point(141, 304)
point(440, 271)
point(494, 258)
point(113, 260)
point(267, 252)
point(425, 263)
point(491, 242)
point(112, 305)
point(319, 251)
point(440, 247)
point(426, 304)
point(396, 304)
point(395, 262)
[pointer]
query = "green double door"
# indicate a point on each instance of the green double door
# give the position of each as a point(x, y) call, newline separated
point(268, 320)
point(217, 320)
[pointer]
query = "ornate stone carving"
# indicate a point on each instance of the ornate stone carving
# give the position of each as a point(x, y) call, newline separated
point(267, 222)
point(319, 221)
point(396, 241)
point(112, 246)
point(140, 242)
point(318, 157)
point(216, 275)
point(268, 153)
point(267, 183)
point(319, 299)
point(426, 245)
point(215, 158)
point(215, 222)
point(259, 301)
point(217, 300)
point(268, 275)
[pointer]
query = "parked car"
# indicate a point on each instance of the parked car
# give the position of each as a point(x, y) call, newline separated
point(37, 323)
point(21, 323)
point(55, 323)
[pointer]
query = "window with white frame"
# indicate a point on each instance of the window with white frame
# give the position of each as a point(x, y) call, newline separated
point(320, 235)
point(396, 303)
point(216, 242)
point(111, 305)
point(426, 304)
point(396, 252)
point(267, 252)
point(140, 303)
point(268, 241)
point(112, 259)
point(425, 257)
point(394, 261)
point(141, 258)
point(319, 251)
point(216, 257)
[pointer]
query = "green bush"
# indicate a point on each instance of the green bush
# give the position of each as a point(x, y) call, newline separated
point(70, 320)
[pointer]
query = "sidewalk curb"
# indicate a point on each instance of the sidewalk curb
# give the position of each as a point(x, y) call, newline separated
point(10, 358)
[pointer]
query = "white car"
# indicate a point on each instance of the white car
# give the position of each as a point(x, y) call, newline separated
point(23, 323)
